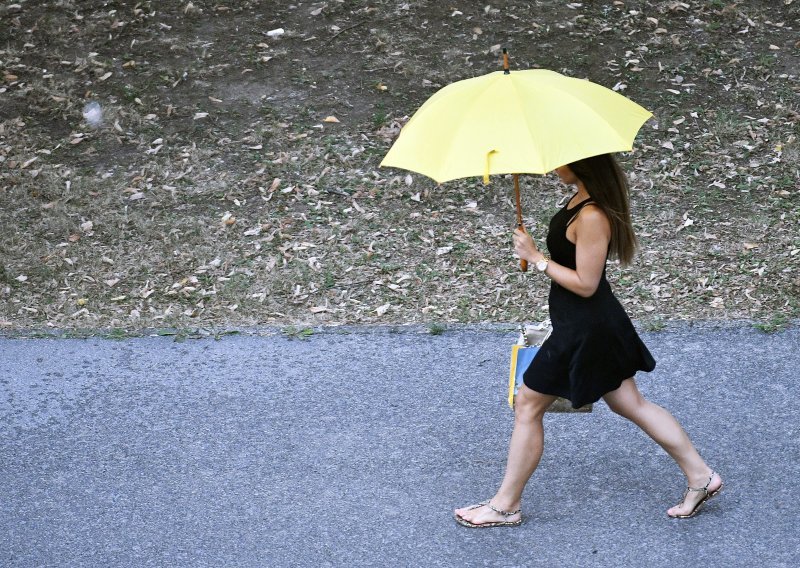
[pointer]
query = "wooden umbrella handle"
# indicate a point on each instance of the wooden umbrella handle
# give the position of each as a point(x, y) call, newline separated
point(523, 264)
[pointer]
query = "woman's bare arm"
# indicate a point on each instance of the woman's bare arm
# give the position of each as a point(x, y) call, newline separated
point(592, 236)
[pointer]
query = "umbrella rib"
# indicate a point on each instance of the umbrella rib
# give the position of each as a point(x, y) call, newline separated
point(529, 130)
point(587, 105)
point(462, 124)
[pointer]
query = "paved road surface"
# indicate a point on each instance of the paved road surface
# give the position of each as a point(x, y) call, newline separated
point(351, 448)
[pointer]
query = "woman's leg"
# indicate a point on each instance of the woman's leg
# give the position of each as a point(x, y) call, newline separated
point(524, 453)
point(662, 427)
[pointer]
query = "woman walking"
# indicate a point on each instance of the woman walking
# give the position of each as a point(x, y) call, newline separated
point(594, 350)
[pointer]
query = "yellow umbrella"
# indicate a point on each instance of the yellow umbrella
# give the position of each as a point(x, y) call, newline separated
point(516, 122)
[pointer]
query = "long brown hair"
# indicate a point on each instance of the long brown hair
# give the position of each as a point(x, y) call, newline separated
point(608, 187)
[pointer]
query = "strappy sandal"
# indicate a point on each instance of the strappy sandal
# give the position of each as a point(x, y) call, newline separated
point(705, 498)
point(462, 521)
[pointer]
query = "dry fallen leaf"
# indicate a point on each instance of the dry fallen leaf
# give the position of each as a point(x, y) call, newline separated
point(330, 119)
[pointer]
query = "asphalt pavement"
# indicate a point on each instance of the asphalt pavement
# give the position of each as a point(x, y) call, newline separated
point(352, 447)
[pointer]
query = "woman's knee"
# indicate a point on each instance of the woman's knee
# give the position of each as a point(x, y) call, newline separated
point(530, 405)
point(626, 401)
point(626, 410)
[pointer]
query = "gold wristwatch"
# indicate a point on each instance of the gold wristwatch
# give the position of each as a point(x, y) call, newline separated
point(541, 265)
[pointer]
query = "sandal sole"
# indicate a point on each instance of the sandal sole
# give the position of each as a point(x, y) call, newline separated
point(465, 523)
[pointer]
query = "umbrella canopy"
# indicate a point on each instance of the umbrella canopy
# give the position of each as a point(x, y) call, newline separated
point(514, 122)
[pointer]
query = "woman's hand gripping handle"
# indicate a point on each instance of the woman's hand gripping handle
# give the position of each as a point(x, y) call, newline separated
point(525, 248)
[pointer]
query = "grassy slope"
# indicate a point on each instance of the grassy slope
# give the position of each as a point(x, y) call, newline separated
point(215, 193)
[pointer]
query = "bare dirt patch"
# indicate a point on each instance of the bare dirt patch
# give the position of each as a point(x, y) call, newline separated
point(216, 193)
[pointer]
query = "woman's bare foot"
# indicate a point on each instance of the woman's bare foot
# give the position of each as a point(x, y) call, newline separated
point(702, 490)
point(484, 514)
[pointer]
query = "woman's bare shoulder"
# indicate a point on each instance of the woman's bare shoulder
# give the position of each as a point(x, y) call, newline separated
point(591, 217)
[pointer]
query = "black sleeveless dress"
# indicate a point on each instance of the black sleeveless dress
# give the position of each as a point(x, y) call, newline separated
point(594, 346)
